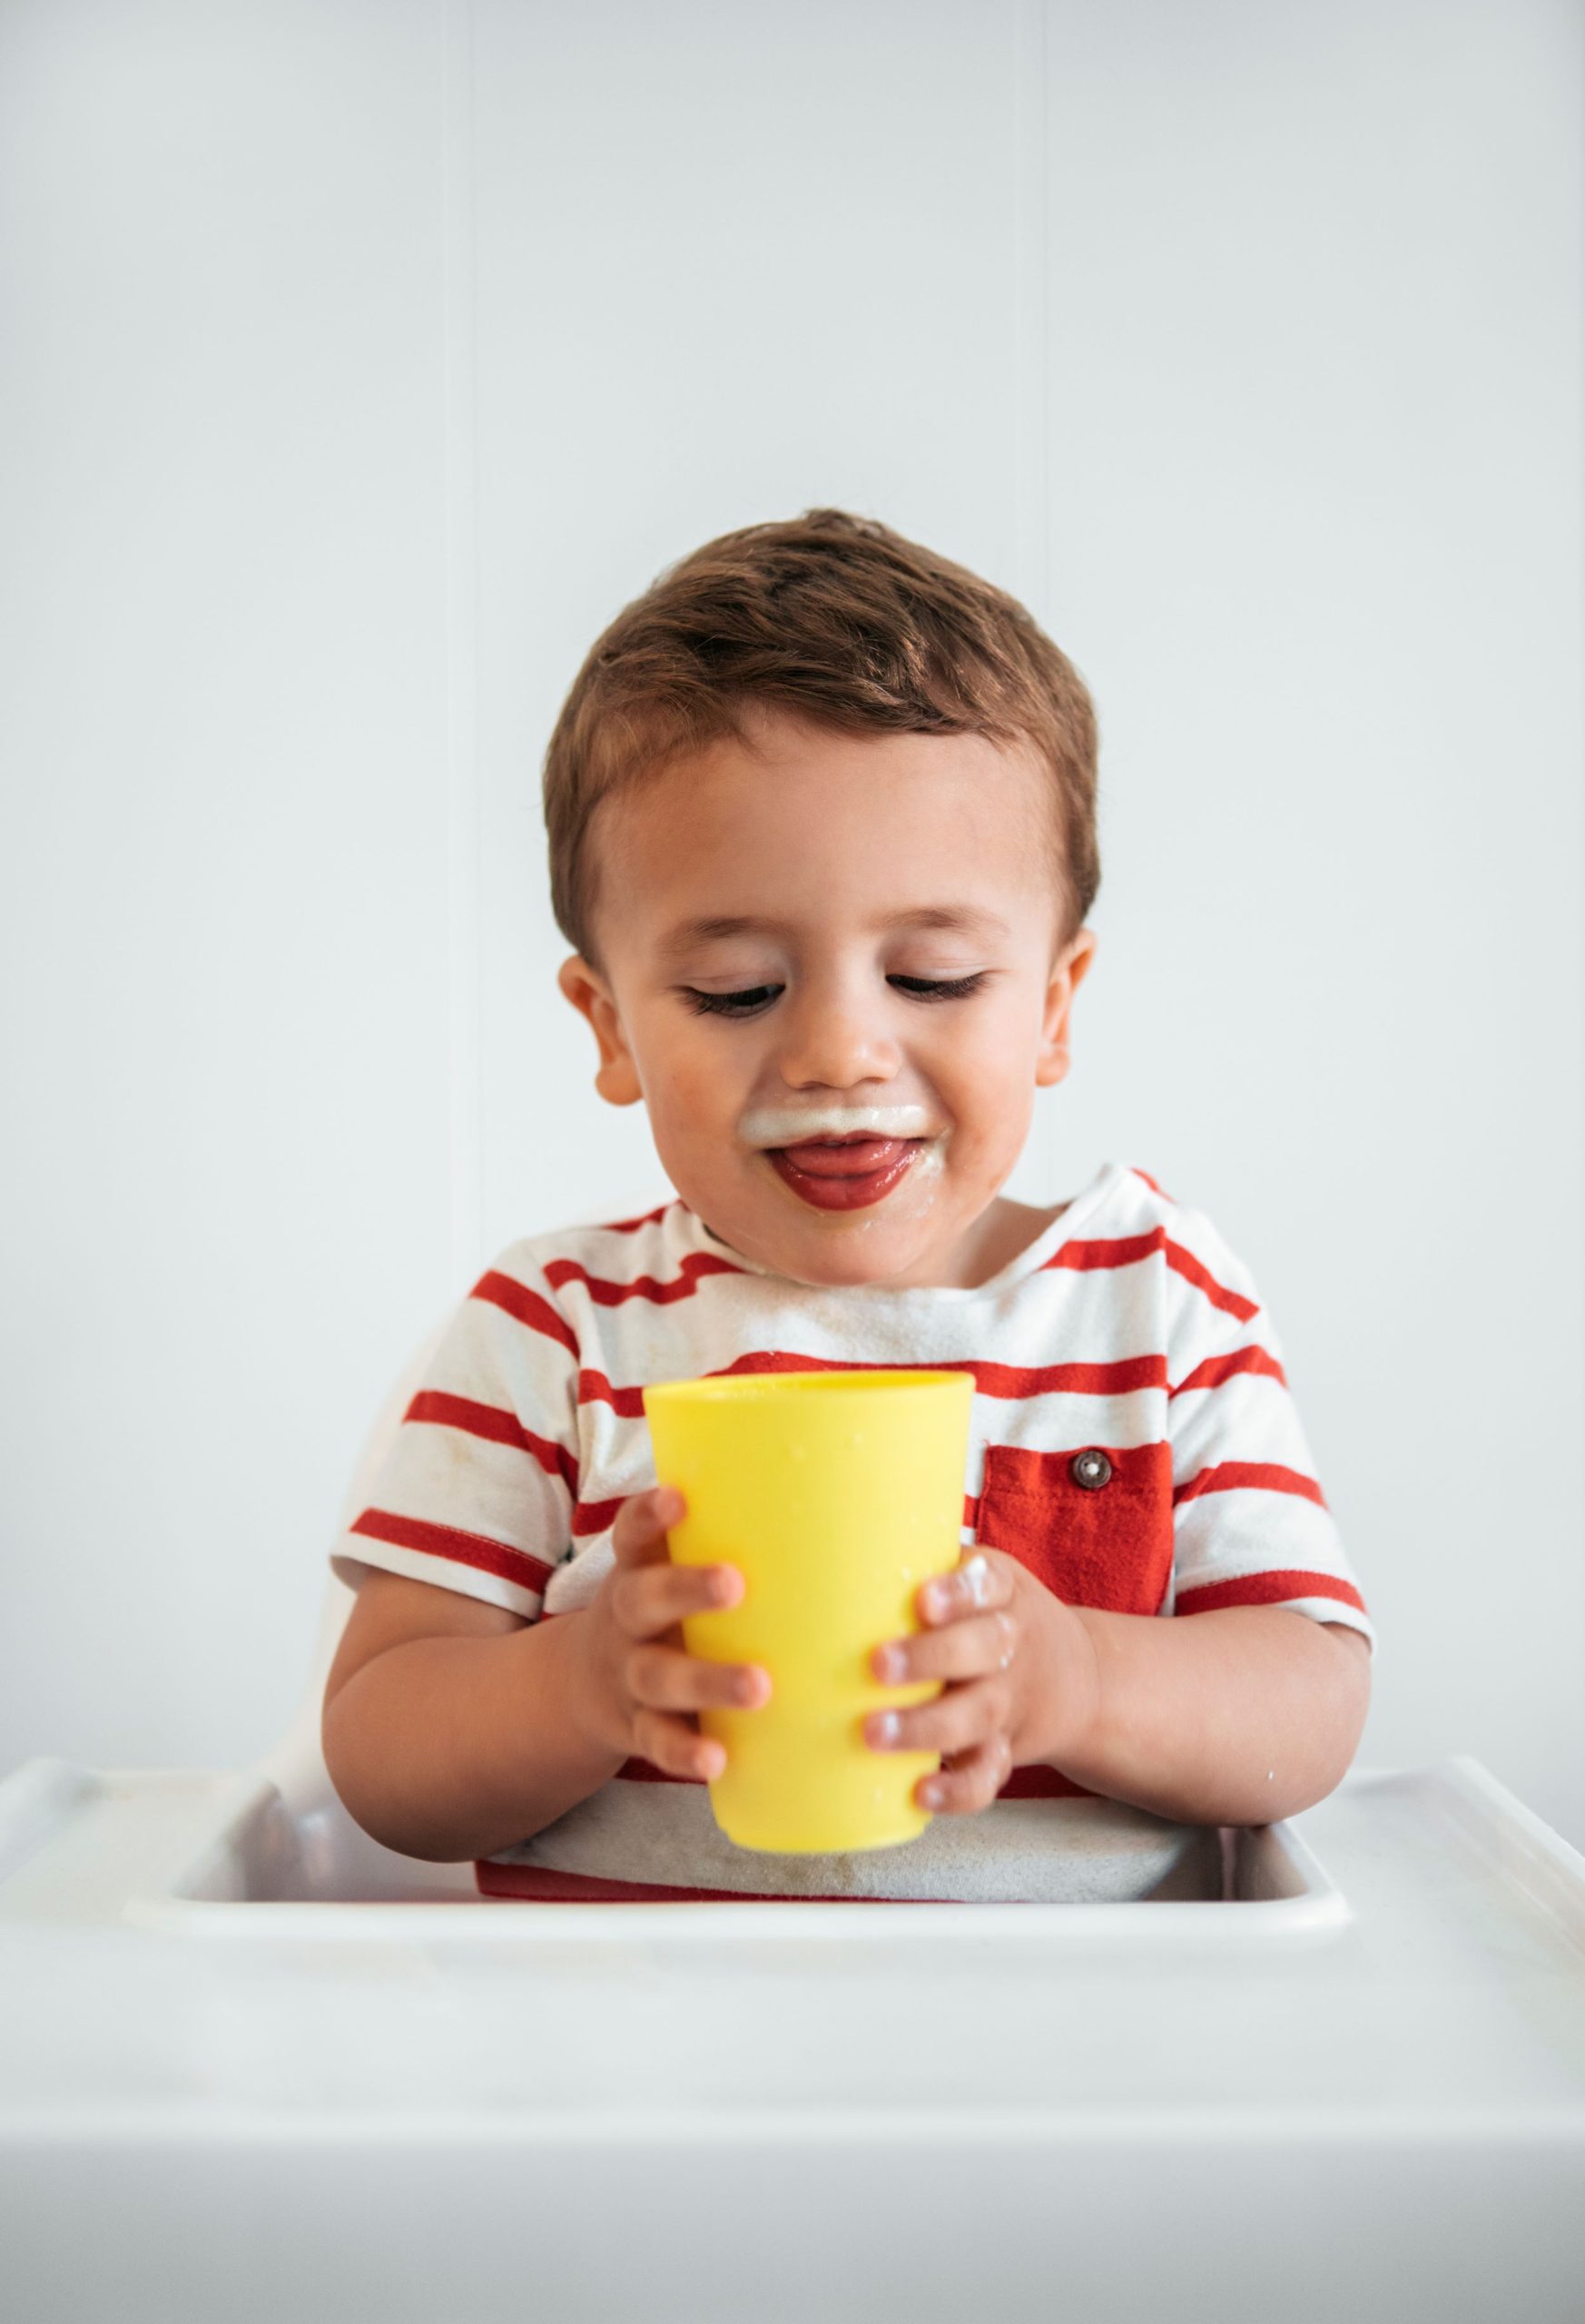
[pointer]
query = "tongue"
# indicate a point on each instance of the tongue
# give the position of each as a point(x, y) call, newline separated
point(856, 1160)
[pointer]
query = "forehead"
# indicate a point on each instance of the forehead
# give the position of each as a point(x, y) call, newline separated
point(800, 827)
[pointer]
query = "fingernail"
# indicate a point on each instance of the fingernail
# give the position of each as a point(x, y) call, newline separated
point(938, 1598)
point(889, 1664)
point(883, 1729)
point(930, 1794)
point(977, 1580)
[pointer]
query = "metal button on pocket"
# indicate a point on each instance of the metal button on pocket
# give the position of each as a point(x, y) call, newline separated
point(1091, 1469)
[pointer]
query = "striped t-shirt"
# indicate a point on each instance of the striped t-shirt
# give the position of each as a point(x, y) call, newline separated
point(1127, 1327)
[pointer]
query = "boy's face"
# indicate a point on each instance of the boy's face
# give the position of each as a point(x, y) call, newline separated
point(829, 971)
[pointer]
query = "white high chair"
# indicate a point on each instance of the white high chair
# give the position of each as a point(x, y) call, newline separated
point(253, 2065)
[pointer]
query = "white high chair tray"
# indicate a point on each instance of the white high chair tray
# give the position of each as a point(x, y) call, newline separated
point(1351, 2079)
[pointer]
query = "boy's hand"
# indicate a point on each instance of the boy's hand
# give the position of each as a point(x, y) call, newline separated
point(644, 1687)
point(1020, 1675)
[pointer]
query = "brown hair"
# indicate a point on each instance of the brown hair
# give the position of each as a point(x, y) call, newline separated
point(834, 619)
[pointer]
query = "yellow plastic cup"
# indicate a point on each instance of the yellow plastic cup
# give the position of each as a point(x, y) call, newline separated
point(835, 1494)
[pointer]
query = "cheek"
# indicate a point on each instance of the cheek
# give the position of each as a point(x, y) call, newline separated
point(688, 1084)
point(987, 1072)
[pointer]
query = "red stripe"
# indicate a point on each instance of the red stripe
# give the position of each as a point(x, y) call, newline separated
point(997, 1380)
point(593, 1388)
point(1035, 1782)
point(778, 1360)
point(632, 1225)
point(1264, 1477)
point(1266, 1589)
point(1150, 1182)
point(463, 1548)
point(500, 1427)
point(1127, 1250)
point(1218, 1368)
point(537, 1883)
point(1232, 1302)
point(1118, 1379)
point(605, 1294)
point(505, 1291)
point(594, 1516)
point(1112, 1251)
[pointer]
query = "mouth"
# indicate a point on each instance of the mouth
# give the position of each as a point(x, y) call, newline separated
point(846, 1173)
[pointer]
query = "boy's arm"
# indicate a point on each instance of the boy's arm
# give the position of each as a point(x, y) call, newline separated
point(451, 1729)
point(1243, 1713)
point(1242, 1716)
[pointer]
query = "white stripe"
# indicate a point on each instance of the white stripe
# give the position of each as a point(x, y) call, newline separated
point(1227, 1536)
point(501, 1491)
point(1252, 1418)
point(491, 1358)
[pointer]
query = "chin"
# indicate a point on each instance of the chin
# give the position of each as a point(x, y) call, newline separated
point(828, 1251)
point(848, 1261)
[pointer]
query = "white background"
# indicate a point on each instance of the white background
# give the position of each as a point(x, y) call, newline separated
point(362, 357)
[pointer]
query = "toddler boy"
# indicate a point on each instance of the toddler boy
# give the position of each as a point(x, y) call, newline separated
point(820, 808)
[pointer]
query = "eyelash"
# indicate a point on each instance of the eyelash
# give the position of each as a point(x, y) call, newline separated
point(749, 1002)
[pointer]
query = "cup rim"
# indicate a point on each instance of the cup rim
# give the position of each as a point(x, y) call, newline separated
point(745, 1387)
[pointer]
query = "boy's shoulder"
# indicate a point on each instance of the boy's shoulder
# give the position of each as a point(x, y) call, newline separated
point(1196, 1254)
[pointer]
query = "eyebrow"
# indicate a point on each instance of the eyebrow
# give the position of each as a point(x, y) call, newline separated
point(966, 920)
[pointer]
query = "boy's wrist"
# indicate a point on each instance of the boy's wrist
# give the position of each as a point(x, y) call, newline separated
point(593, 1711)
point(1241, 1716)
point(1062, 1709)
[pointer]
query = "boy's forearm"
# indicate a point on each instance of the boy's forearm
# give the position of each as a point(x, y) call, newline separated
point(454, 1748)
point(1239, 1716)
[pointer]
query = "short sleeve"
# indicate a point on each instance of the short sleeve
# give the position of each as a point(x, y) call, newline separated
point(1250, 1522)
point(477, 1492)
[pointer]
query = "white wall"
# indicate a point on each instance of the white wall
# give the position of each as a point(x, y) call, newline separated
point(361, 361)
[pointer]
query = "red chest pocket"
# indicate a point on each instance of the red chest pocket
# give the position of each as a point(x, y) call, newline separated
point(1105, 1544)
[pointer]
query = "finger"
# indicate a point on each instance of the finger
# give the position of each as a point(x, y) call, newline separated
point(677, 1747)
point(639, 1534)
point(661, 1678)
point(964, 1649)
point(956, 1721)
point(649, 1599)
point(978, 1582)
point(970, 1782)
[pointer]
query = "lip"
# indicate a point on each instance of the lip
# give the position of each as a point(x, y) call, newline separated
point(844, 1174)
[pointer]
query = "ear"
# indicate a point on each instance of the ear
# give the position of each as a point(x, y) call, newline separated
point(618, 1077)
point(1072, 967)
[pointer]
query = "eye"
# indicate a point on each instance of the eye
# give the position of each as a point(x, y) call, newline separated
point(753, 997)
point(940, 988)
point(729, 1004)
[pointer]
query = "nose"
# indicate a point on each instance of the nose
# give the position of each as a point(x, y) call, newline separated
point(833, 1038)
